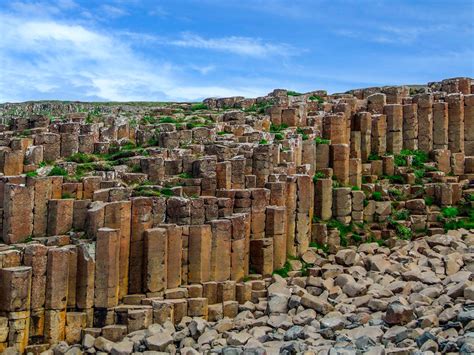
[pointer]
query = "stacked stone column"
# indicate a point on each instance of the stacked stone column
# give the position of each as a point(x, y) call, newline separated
point(238, 172)
point(335, 129)
point(57, 284)
point(456, 123)
point(118, 216)
point(440, 125)
point(17, 214)
point(363, 124)
point(340, 155)
point(379, 134)
point(35, 256)
point(342, 204)
point(175, 255)
point(107, 276)
point(86, 281)
point(239, 245)
point(15, 285)
point(425, 122)
point(304, 213)
point(469, 125)
point(224, 175)
point(323, 199)
point(309, 155)
point(260, 198)
point(42, 191)
point(291, 203)
point(205, 169)
point(221, 247)
point(199, 246)
point(60, 213)
point(410, 127)
point(156, 260)
point(262, 163)
point(275, 229)
point(394, 114)
point(141, 220)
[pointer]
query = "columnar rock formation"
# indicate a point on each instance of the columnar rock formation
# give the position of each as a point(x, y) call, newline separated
point(115, 217)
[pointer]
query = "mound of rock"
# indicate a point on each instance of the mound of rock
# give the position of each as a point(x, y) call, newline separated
point(417, 296)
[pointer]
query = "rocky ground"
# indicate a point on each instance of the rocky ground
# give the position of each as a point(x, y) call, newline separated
point(417, 297)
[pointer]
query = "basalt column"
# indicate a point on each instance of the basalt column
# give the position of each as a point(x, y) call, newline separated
point(456, 123)
point(15, 285)
point(410, 127)
point(425, 122)
point(440, 125)
point(394, 114)
point(469, 125)
point(142, 219)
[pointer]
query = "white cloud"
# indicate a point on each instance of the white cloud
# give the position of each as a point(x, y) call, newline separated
point(203, 70)
point(244, 46)
point(391, 34)
point(45, 58)
point(113, 11)
point(247, 46)
point(38, 8)
point(158, 11)
point(67, 4)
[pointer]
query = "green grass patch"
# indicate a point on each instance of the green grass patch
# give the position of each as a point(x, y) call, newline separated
point(293, 93)
point(166, 191)
point(149, 120)
point(299, 130)
point(191, 125)
point(147, 193)
point(429, 200)
point(343, 229)
point(396, 179)
point(320, 140)
point(32, 174)
point(317, 98)
point(185, 176)
point(373, 156)
point(419, 158)
point(278, 128)
point(283, 272)
point(377, 196)
point(136, 168)
point(322, 247)
point(167, 119)
point(318, 175)
point(259, 107)
point(58, 171)
point(357, 238)
point(199, 106)
point(403, 232)
point(401, 215)
point(450, 212)
point(400, 160)
point(153, 142)
point(397, 194)
point(28, 239)
point(279, 137)
point(82, 158)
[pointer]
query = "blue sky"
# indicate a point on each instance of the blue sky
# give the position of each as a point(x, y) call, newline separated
point(187, 50)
